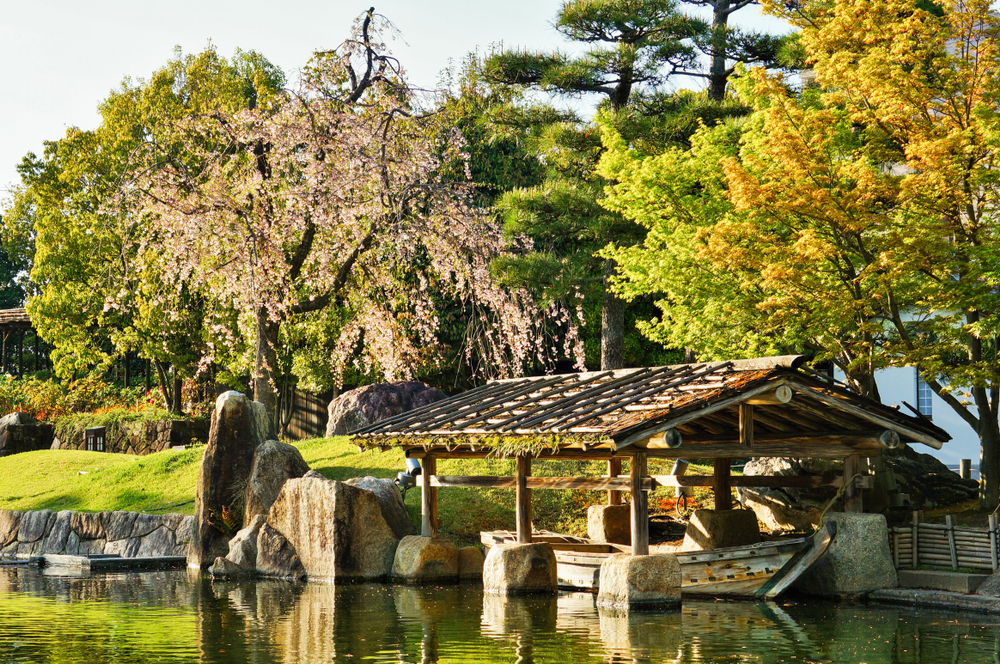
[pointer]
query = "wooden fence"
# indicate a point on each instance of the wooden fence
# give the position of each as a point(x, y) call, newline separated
point(945, 545)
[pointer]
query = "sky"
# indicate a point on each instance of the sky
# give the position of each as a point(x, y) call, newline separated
point(60, 58)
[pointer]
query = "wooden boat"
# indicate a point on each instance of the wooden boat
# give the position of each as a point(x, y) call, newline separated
point(761, 571)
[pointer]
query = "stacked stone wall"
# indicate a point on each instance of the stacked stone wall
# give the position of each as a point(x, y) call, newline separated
point(126, 534)
point(147, 438)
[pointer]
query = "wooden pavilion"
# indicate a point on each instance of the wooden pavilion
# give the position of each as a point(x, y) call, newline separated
point(766, 407)
point(14, 323)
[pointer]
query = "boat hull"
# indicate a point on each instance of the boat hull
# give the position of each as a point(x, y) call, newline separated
point(758, 570)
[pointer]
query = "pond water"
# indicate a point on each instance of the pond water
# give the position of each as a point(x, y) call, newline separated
point(177, 617)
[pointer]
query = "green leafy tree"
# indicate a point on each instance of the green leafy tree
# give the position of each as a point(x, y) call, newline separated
point(97, 265)
point(856, 219)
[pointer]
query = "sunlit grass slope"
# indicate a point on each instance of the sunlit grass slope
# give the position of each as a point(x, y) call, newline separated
point(165, 482)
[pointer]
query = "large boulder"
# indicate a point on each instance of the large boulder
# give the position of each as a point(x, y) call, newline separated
point(372, 403)
point(925, 480)
point(336, 529)
point(719, 529)
point(425, 560)
point(20, 432)
point(635, 582)
point(857, 562)
point(276, 556)
point(470, 563)
point(242, 557)
point(273, 464)
point(520, 569)
point(390, 501)
point(239, 426)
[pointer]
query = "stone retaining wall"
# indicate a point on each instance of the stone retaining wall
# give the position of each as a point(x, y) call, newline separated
point(149, 438)
point(127, 534)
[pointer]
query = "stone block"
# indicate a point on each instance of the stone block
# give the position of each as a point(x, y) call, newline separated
point(857, 562)
point(515, 569)
point(610, 523)
point(425, 560)
point(9, 523)
point(33, 526)
point(226, 569)
point(55, 542)
point(640, 582)
point(118, 525)
point(718, 529)
point(87, 526)
point(955, 582)
point(470, 563)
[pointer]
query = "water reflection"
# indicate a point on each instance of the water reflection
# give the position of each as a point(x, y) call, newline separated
point(177, 617)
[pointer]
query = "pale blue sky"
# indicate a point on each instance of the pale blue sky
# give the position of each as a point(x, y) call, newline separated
point(60, 58)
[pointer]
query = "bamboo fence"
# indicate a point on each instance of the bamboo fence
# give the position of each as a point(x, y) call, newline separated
point(945, 546)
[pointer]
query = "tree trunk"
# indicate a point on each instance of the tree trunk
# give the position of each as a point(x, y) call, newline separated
point(989, 463)
point(178, 406)
point(266, 363)
point(612, 324)
point(161, 373)
point(717, 68)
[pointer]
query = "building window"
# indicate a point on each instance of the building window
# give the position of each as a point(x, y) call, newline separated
point(924, 394)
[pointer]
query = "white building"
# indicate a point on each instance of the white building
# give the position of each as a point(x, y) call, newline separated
point(898, 385)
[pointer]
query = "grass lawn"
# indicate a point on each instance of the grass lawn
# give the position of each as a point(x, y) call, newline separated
point(165, 482)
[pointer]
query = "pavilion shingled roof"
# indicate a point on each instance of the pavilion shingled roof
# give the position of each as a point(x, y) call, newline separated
point(12, 317)
point(616, 407)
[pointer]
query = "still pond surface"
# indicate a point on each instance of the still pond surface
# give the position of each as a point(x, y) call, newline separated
point(175, 617)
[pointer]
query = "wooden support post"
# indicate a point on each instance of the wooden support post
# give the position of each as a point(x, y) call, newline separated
point(20, 353)
point(640, 507)
point(128, 374)
point(523, 500)
point(723, 489)
point(149, 382)
point(428, 498)
point(614, 470)
point(853, 465)
point(915, 521)
point(993, 542)
point(746, 425)
point(950, 522)
point(34, 363)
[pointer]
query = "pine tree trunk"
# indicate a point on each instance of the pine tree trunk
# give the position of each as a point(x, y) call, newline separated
point(612, 324)
point(989, 463)
point(717, 68)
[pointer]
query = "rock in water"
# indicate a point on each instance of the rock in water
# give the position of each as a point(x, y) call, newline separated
point(635, 582)
point(520, 569)
point(273, 464)
point(239, 426)
point(390, 501)
point(336, 529)
point(372, 403)
point(276, 556)
point(425, 560)
point(857, 562)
